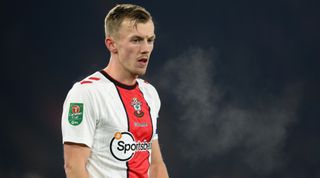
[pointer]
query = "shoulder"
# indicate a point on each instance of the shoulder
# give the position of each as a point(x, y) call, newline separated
point(87, 85)
point(145, 85)
point(148, 90)
point(91, 82)
point(150, 93)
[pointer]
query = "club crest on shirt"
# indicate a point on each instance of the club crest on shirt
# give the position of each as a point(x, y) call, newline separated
point(75, 113)
point(136, 104)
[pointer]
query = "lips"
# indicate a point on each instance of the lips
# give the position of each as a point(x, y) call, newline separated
point(144, 60)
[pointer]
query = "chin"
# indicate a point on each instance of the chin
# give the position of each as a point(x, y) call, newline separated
point(140, 73)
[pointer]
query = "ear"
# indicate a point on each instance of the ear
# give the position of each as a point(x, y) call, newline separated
point(111, 45)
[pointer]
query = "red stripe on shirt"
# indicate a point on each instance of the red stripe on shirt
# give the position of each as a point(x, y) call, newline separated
point(94, 78)
point(85, 81)
point(140, 127)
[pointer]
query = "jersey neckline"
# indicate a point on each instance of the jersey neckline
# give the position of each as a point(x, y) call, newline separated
point(117, 83)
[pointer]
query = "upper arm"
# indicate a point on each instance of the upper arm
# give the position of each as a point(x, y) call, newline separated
point(78, 125)
point(75, 158)
point(75, 151)
point(157, 168)
point(156, 156)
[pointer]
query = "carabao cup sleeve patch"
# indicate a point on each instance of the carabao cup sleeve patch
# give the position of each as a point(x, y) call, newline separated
point(75, 115)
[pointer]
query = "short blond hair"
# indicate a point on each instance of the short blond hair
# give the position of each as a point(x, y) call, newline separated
point(120, 12)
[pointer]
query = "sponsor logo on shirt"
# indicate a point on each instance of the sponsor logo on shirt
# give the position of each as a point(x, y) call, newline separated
point(140, 124)
point(123, 146)
point(75, 115)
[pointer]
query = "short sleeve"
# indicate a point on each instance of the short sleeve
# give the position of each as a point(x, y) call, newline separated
point(157, 105)
point(78, 122)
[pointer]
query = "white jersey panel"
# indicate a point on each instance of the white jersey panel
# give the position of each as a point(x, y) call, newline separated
point(102, 115)
point(151, 96)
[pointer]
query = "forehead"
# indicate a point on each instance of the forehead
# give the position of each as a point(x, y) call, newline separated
point(130, 28)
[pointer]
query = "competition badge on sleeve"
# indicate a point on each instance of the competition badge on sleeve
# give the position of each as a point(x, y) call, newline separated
point(75, 113)
point(137, 107)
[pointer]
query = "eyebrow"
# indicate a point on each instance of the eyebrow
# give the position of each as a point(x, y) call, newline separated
point(153, 37)
point(140, 37)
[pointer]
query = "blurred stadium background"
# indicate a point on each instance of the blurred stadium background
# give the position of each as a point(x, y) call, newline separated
point(239, 83)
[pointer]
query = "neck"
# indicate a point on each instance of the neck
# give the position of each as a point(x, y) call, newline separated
point(121, 76)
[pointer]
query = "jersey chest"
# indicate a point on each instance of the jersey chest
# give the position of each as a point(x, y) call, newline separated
point(127, 111)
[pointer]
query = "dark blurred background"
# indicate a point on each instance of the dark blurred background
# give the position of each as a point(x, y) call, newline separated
point(239, 83)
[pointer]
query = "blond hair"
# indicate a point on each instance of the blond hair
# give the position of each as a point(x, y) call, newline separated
point(120, 12)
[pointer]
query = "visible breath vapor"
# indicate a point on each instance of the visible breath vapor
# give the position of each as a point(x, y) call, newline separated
point(211, 126)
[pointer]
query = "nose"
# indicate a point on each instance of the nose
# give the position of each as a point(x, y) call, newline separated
point(146, 47)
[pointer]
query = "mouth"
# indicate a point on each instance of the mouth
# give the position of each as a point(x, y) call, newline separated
point(143, 61)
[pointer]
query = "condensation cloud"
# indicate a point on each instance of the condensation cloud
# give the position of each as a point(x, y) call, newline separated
point(211, 126)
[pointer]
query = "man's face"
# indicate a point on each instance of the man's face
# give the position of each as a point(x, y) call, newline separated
point(134, 46)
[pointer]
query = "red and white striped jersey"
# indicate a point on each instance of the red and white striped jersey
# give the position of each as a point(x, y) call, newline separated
point(118, 122)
